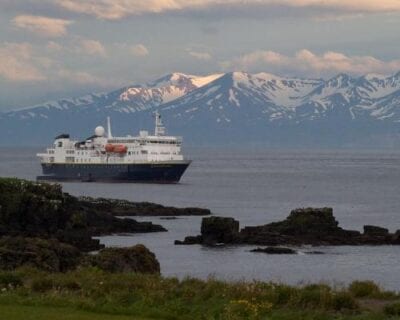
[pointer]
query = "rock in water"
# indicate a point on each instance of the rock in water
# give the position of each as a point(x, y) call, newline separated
point(133, 259)
point(312, 221)
point(316, 226)
point(305, 226)
point(219, 230)
point(275, 250)
point(190, 240)
point(127, 208)
point(375, 231)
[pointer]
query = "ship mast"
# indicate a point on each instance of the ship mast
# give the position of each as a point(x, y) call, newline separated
point(159, 128)
point(109, 135)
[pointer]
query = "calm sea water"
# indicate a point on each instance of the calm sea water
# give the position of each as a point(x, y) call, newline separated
point(257, 187)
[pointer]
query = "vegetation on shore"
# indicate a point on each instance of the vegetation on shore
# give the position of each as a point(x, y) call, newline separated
point(151, 296)
point(46, 271)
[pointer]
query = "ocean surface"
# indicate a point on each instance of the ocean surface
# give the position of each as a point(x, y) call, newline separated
point(258, 187)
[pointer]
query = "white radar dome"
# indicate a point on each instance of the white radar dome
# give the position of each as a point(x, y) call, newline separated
point(99, 131)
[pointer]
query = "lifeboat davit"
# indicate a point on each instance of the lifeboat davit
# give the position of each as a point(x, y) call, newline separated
point(116, 148)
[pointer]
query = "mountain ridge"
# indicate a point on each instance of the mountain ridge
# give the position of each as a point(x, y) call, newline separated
point(261, 108)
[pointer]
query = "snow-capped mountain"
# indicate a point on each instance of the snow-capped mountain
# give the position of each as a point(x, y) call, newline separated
point(126, 100)
point(224, 108)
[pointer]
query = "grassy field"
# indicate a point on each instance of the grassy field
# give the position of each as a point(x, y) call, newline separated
point(21, 312)
point(93, 294)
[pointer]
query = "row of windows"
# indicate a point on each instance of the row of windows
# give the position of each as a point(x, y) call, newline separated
point(141, 141)
point(88, 167)
point(162, 142)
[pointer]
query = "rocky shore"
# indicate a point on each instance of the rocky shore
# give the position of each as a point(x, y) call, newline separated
point(43, 227)
point(306, 226)
point(29, 209)
point(127, 208)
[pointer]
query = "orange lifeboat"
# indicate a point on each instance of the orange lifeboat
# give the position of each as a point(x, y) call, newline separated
point(109, 148)
point(120, 148)
point(116, 148)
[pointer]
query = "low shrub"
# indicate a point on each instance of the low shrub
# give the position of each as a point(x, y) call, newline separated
point(42, 284)
point(315, 296)
point(9, 280)
point(392, 309)
point(344, 301)
point(244, 309)
point(364, 289)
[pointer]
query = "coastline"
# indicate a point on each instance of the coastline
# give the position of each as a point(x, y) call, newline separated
point(41, 270)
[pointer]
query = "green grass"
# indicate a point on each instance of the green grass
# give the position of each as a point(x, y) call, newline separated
point(89, 292)
point(21, 312)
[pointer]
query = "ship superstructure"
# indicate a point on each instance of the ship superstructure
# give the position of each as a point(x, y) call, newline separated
point(147, 157)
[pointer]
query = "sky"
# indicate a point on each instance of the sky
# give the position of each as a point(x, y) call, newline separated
point(51, 49)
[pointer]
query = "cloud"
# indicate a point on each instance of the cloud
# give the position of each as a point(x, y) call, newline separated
point(117, 9)
point(91, 47)
point(82, 77)
point(139, 50)
point(44, 26)
point(53, 46)
point(17, 63)
point(200, 55)
point(305, 62)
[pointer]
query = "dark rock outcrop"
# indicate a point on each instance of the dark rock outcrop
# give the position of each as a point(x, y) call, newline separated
point(54, 256)
point(375, 231)
point(30, 209)
point(214, 230)
point(308, 226)
point(46, 254)
point(190, 240)
point(219, 230)
point(42, 227)
point(275, 250)
point(127, 208)
point(134, 259)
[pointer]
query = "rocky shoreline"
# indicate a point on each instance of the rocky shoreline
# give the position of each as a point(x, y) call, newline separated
point(126, 208)
point(306, 226)
point(43, 227)
point(42, 210)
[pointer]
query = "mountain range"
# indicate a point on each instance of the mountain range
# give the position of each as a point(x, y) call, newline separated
point(234, 109)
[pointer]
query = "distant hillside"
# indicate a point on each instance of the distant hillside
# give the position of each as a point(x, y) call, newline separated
point(229, 109)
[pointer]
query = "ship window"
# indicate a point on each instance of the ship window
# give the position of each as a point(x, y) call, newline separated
point(144, 151)
point(60, 144)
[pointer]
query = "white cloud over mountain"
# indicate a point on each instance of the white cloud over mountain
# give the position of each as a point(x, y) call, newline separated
point(305, 62)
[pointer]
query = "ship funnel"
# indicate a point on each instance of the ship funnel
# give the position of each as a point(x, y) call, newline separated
point(109, 135)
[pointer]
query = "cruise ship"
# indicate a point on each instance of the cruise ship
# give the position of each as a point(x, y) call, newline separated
point(102, 157)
